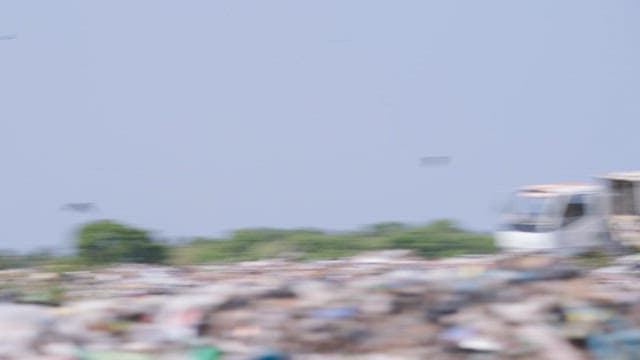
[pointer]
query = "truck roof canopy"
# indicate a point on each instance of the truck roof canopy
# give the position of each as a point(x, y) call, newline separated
point(561, 188)
point(623, 176)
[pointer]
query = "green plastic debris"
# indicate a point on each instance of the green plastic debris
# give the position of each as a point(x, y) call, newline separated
point(206, 353)
point(53, 296)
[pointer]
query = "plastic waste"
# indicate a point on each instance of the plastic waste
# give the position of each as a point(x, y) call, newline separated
point(622, 345)
point(112, 355)
point(456, 333)
point(206, 353)
point(479, 344)
point(335, 313)
point(273, 355)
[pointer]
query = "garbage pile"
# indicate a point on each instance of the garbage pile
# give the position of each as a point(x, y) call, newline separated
point(386, 305)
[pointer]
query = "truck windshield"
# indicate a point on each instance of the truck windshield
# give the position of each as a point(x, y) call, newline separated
point(531, 213)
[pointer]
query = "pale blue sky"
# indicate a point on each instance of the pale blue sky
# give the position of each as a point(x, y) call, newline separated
point(198, 117)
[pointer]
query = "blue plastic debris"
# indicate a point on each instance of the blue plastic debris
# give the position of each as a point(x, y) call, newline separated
point(335, 313)
point(273, 355)
point(456, 333)
point(619, 345)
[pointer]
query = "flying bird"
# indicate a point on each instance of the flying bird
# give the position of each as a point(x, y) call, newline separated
point(9, 37)
point(80, 207)
point(435, 160)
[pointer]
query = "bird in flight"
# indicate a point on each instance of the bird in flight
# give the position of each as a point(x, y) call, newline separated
point(435, 160)
point(80, 207)
point(9, 37)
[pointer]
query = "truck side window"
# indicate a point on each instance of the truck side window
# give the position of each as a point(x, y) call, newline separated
point(623, 198)
point(576, 209)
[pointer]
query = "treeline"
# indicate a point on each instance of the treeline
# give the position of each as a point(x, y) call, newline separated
point(106, 241)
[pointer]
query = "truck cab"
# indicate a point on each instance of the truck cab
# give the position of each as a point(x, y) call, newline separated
point(563, 217)
point(623, 220)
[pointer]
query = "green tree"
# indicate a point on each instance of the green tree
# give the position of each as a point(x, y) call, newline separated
point(386, 228)
point(106, 241)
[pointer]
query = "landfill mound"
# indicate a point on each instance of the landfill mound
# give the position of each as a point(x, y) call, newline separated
point(387, 305)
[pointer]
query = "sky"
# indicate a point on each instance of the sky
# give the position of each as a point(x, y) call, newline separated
point(194, 118)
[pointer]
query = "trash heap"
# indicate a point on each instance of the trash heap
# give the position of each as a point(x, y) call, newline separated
point(386, 305)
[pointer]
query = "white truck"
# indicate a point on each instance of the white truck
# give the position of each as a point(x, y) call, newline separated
point(573, 217)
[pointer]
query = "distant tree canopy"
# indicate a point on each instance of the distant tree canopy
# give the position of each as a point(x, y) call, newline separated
point(107, 241)
point(437, 239)
point(386, 228)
